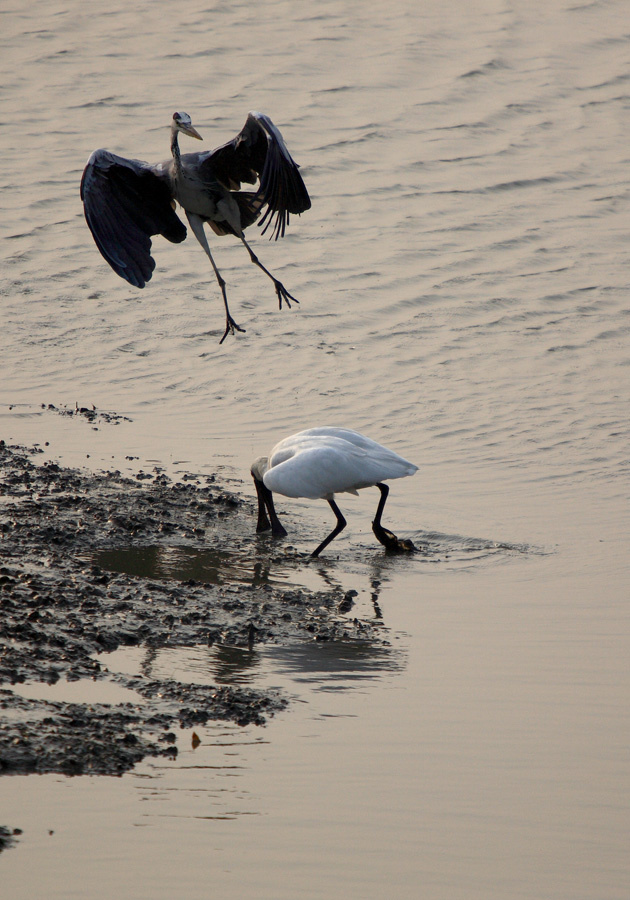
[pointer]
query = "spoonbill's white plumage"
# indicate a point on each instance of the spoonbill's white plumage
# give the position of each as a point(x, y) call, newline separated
point(321, 462)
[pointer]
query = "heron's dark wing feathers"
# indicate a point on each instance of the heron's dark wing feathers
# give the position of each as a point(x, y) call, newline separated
point(126, 202)
point(240, 160)
point(259, 152)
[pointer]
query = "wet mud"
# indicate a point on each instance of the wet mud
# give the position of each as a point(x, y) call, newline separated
point(8, 837)
point(60, 610)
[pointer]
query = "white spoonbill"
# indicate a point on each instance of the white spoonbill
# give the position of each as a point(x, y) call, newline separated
point(321, 462)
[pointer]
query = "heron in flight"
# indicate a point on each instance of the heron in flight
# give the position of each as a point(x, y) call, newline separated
point(127, 201)
point(321, 462)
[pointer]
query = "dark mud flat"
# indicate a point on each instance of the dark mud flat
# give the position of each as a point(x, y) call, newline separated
point(58, 610)
point(8, 837)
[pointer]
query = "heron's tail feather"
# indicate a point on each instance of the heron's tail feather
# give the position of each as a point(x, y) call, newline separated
point(249, 205)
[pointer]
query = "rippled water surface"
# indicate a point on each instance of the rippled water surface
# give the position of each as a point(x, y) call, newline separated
point(463, 277)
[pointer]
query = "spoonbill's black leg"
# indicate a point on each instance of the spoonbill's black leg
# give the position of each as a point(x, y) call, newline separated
point(339, 527)
point(387, 538)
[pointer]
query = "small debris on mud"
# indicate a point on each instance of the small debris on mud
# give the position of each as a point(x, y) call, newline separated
point(90, 414)
point(59, 610)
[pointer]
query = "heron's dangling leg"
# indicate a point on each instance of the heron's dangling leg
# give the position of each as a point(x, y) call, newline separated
point(196, 223)
point(387, 538)
point(265, 504)
point(281, 291)
point(341, 524)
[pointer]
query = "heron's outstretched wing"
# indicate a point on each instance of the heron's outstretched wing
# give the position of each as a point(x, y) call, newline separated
point(126, 202)
point(259, 152)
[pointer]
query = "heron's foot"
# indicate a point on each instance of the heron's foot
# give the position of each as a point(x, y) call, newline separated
point(283, 294)
point(391, 542)
point(230, 327)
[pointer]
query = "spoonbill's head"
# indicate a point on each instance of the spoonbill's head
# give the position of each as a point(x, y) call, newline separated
point(267, 516)
point(182, 122)
point(259, 467)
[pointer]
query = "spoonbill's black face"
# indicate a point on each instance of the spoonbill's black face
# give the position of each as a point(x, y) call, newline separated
point(265, 506)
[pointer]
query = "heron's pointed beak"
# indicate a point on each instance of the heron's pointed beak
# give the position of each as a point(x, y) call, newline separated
point(192, 132)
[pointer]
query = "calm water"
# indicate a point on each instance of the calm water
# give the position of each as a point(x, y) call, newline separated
point(464, 280)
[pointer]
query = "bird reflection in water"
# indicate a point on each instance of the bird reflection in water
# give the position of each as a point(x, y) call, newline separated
point(311, 661)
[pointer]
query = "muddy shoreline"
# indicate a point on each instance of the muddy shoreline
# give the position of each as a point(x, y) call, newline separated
point(59, 610)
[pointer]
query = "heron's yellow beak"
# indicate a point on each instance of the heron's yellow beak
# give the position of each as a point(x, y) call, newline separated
point(192, 132)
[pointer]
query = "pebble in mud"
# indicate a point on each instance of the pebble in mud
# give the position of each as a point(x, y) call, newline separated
point(59, 610)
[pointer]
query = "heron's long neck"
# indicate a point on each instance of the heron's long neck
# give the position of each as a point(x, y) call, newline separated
point(175, 151)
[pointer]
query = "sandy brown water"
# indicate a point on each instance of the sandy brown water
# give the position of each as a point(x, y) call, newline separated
point(463, 276)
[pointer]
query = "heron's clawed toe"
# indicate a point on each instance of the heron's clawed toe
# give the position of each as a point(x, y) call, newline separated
point(284, 295)
point(230, 327)
point(391, 542)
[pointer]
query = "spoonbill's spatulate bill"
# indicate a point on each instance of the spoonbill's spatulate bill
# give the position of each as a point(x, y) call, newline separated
point(127, 201)
point(321, 462)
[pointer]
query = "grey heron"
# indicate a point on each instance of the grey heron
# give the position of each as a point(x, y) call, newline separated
point(127, 201)
point(321, 462)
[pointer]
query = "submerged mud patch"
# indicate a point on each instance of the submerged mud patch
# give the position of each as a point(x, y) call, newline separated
point(60, 609)
point(207, 565)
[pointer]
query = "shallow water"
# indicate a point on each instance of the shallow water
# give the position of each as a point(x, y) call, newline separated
point(463, 277)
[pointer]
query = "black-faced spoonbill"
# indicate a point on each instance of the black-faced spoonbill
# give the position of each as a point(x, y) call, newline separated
point(127, 201)
point(321, 462)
